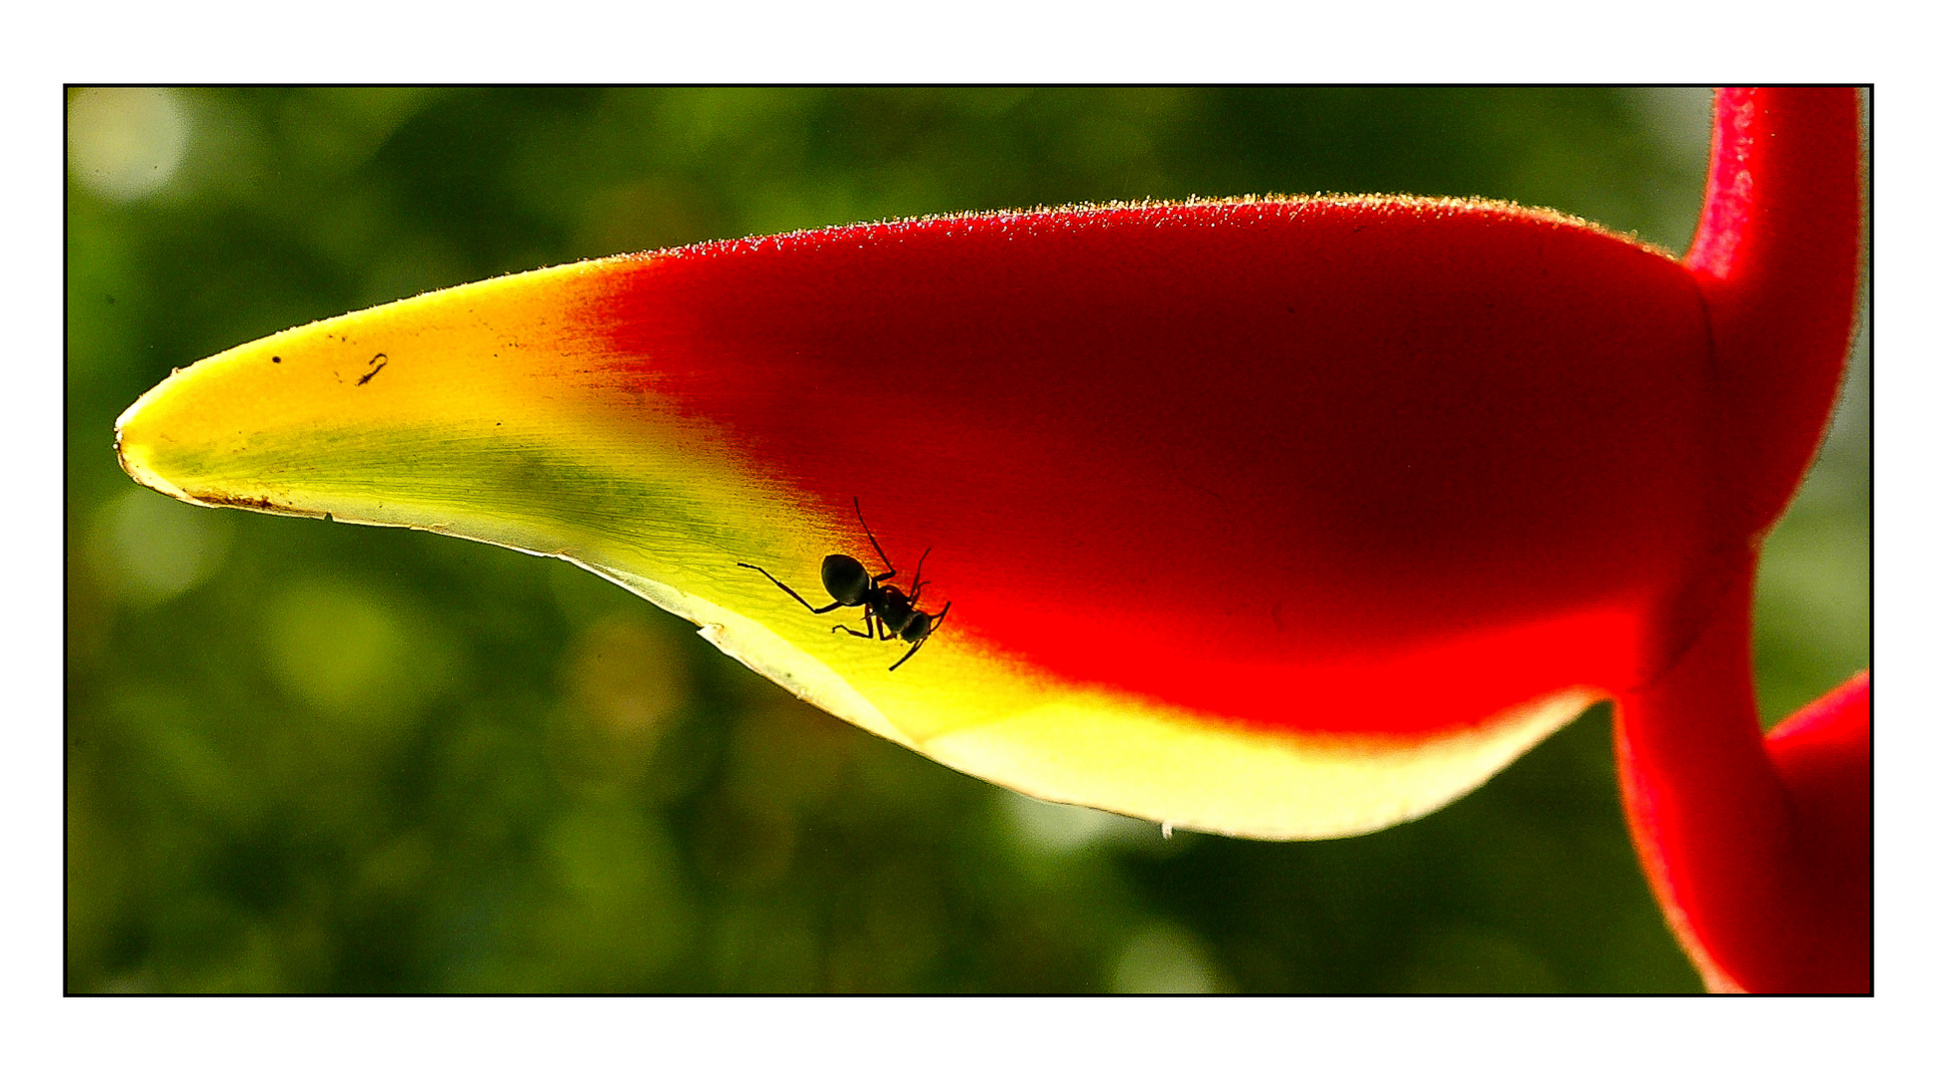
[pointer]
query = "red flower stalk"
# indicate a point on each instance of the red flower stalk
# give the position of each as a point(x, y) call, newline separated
point(1759, 849)
point(1279, 517)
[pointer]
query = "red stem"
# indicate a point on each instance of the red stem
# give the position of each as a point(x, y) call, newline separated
point(1776, 258)
point(1759, 848)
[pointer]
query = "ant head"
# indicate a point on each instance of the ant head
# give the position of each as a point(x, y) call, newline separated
point(924, 624)
point(846, 579)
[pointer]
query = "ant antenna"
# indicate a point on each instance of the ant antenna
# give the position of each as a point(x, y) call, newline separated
point(915, 590)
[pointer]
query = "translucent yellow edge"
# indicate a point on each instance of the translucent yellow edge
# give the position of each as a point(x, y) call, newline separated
point(1142, 758)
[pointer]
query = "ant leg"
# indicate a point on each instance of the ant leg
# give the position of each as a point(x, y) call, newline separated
point(795, 595)
point(867, 619)
point(909, 653)
point(877, 544)
point(932, 627)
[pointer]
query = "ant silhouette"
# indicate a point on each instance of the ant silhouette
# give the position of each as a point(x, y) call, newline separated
point(886, 611)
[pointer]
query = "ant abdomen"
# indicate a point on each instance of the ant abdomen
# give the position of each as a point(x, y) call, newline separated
point(845, 579)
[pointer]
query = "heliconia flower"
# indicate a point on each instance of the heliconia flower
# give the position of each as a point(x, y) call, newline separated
point(1281, 518)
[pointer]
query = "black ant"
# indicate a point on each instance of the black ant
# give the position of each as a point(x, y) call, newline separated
point(886, 611)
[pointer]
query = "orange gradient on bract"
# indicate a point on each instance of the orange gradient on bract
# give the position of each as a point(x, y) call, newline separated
point(1279, 518)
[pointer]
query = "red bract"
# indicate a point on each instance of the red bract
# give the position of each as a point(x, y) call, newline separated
point(1406, 463)
point(1280, 517)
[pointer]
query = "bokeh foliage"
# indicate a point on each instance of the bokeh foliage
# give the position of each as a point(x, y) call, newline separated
point(311, 757)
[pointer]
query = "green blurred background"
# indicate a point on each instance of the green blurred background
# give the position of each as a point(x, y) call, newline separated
point(311, 757)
